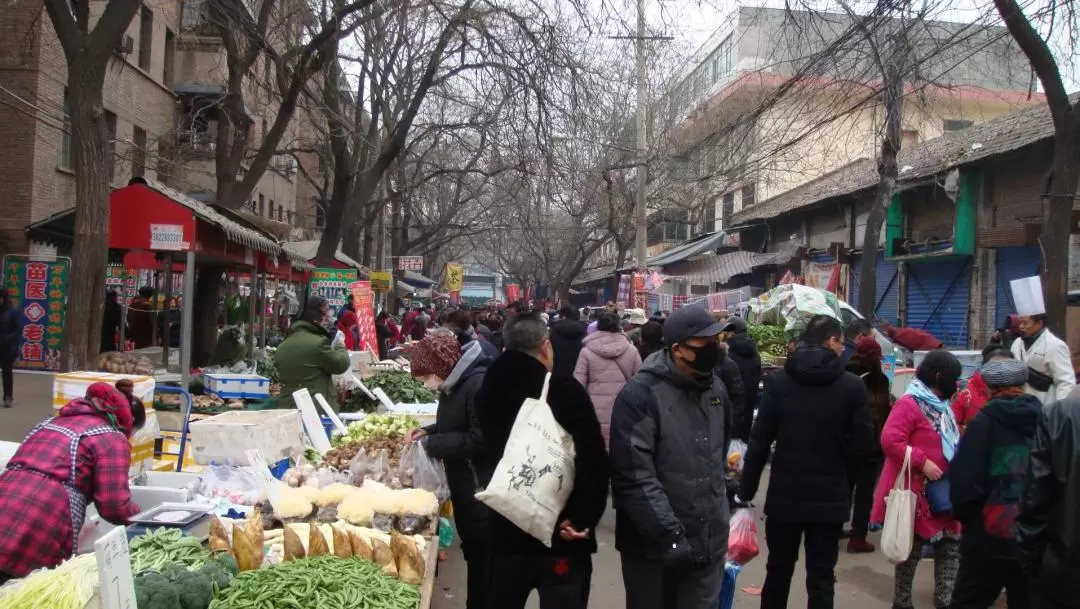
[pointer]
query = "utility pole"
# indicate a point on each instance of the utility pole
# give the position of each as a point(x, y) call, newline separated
point(640, 223)
point(641, 251)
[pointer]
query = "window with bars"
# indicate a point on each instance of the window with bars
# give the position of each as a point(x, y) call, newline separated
point(146, 37)
point(749, 195)
point(262, 202)
point(66, 160)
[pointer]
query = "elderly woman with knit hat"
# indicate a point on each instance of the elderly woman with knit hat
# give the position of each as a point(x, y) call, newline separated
point(441, 362)
point(986, 481)
point(866, 364)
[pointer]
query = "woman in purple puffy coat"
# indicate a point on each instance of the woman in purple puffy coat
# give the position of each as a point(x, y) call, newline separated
point(606, 362)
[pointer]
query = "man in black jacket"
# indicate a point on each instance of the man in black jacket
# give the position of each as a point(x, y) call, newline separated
point(455, 438)
point(1048, 525)
point(566, 337)
point(817, 415)
point(744, 352)
point(562, 573)
point(9, 345)
point(986, 481)
point(670, 428)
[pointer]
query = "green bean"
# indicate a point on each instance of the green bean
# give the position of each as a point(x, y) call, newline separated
point(321, 582)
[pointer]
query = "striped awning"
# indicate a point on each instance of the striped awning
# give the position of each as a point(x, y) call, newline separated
point(721, 268)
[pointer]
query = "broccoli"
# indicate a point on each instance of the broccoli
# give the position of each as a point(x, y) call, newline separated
point(218, 575)
point(228, 563)
point(154, 591)
point(195, 589)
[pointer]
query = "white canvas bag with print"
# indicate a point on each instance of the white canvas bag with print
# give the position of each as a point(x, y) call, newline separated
point(898, 532)
point(535, 476)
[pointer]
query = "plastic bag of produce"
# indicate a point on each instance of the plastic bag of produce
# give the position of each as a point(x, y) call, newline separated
point(238, 485)
point(418, 470)
point(535, 476)
point(379, 468)
point(735, 455)
point(742, 537)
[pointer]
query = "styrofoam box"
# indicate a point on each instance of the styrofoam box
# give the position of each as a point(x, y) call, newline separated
point(73, 385)
point(223, 438)
point(969, 361)
point(237, 386)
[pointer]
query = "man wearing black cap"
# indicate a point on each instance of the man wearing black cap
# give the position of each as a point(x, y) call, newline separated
point(670, 429)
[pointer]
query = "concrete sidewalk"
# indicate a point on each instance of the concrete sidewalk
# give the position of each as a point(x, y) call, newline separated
point(33, 402)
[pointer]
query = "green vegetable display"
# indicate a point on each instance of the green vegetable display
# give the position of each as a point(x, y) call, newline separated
point(401, 387)
point(177, 587)
point(158, 549)
point(322, 582)
point(377, 426)
point(69, 586)
point(769, 339)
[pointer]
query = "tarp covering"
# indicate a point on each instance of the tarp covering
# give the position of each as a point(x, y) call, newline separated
point(791, 306)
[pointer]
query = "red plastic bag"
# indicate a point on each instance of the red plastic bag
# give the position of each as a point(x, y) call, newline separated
point(742, 537)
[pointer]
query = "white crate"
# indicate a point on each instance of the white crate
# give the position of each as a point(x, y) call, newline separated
point(969, 361)
point(237, 386)
point(223, 439)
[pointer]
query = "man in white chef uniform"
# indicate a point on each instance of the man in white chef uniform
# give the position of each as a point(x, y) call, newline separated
point(1050, 371)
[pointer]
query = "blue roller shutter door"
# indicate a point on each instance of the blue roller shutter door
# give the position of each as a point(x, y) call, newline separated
point(938, 299)
point(888, 286)
point(1012, 263)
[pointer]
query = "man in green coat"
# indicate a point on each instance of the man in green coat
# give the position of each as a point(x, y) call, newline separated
point(308, 358)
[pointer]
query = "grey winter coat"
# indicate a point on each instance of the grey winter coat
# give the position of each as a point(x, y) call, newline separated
point(669, 441)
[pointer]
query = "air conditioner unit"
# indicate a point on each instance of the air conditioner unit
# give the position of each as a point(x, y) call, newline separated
point(127, 46)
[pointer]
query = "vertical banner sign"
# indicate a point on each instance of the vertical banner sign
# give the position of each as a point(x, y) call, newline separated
point(380, 281)
point(513, 292)
point(333, 285)
point(125, 282)
point(454, 277)
point(38, 291)
point(411, 263)
point(455, 298)
point(365, 314)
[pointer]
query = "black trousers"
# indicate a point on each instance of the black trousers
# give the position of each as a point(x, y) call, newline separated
point(477, 575)
point(563, 582)
point(981, 579)
point(862, 497)
point(9, 378)
point(822, 545)
point(650, 585)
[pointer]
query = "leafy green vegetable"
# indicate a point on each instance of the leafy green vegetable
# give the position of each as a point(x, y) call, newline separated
point(401, 387)
point(377, 425)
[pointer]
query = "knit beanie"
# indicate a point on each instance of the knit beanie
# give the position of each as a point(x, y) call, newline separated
point(435, 354)
point(1004, 373)
point(867, 347)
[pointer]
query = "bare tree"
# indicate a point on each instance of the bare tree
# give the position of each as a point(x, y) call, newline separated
point(88, 51)
point(1061, 183)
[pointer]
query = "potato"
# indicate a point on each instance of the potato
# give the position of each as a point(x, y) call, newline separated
point(294, 548)
point(254, 530)
point(360, 546)
point(342, 544)
point(248, 558)
point(317, 543)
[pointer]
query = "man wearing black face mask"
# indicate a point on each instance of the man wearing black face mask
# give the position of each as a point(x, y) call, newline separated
point(670, 428)
point(817, 414)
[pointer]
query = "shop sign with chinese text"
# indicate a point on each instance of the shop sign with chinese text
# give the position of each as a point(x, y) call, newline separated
point(333, 285)
point(38, 291)
point(380, 281)
point(411, 263)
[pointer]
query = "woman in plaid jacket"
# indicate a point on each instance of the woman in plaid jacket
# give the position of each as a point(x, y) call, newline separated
point(65, 462)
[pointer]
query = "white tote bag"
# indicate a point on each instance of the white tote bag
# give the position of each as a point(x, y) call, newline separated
point(898, 532)
point(535, 476)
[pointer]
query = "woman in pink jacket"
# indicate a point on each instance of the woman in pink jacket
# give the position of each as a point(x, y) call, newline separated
point(924, 420)
point(606, 362)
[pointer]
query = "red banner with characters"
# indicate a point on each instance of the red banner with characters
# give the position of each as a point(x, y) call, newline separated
point(513, 292)
point(364, 300)
point(38, 292)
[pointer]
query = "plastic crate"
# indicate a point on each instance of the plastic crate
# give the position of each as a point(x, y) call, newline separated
point(278, 469)
point(237, 386)
point(328, 425)
point(223, 439)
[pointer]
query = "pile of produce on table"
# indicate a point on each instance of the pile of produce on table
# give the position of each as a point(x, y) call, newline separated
point(177, 587)
point(117, 362)
point(375, 435)
point(200, 404)
point(69, 586)
point(325, 582)
point(157, 549)
point(770, 340)
point(401, 387)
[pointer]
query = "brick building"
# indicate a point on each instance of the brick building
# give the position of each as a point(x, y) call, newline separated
point(169, 64)
point(964, 222)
